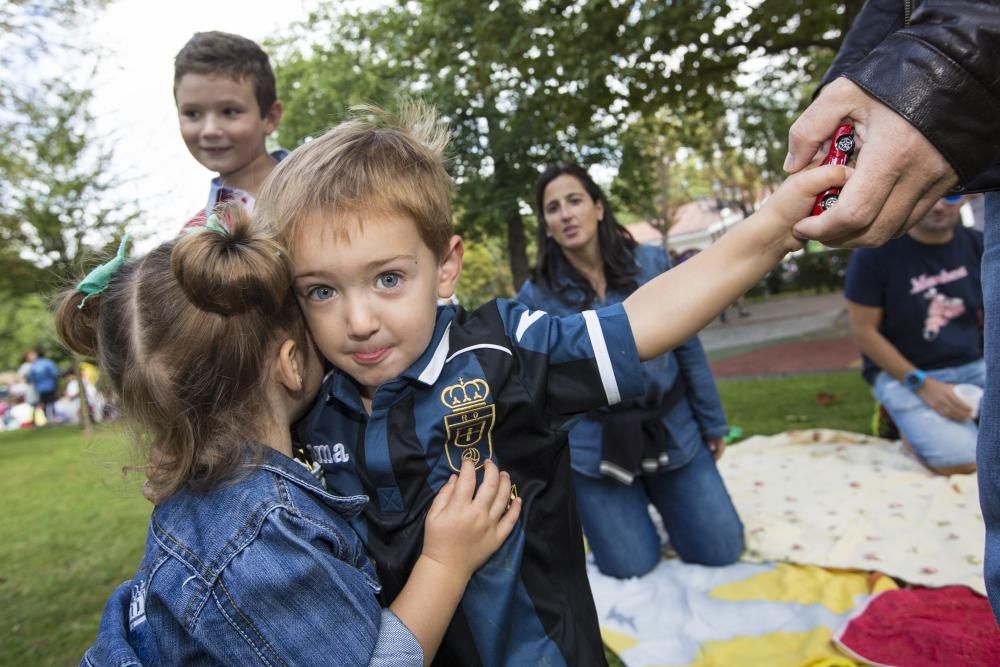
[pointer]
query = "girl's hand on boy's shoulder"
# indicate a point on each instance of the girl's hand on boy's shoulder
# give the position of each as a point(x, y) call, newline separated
point(793, 201)
point(466, 525)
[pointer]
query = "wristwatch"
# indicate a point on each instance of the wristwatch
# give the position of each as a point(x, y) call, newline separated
point(914, 380)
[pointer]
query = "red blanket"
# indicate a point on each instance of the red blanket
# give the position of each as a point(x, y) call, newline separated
point(920, 627)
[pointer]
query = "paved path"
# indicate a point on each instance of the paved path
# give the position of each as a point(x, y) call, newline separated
point(791, 358)
point(776, 318)
point(782, 336)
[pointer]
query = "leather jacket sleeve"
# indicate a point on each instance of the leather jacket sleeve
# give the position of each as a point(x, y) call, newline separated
point(939, 72)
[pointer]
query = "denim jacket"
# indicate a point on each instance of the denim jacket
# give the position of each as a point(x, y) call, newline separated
point(691, 421)
point(261, 571)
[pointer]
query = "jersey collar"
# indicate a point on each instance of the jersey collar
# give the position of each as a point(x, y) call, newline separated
point(426, 369)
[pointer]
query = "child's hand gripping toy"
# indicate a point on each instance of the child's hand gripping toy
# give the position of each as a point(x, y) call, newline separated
point(840, 152)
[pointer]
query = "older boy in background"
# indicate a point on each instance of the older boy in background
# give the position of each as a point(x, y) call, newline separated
point(227, 105)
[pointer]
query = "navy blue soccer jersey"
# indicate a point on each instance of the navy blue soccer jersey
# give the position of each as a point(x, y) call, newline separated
point(502, 383)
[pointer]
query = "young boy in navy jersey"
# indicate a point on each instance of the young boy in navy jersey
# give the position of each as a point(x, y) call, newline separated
point(364, 212)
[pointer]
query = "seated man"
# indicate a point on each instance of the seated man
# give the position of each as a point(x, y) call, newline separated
point(915, 308)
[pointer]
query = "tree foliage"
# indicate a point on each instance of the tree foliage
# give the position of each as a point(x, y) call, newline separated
point(58, 208)
point(523, 84)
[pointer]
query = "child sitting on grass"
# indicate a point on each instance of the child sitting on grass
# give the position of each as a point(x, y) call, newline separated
point(419, 389)
point(249, 559)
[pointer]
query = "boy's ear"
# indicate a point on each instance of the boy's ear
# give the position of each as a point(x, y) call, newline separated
point(288, 366)
point(450, 268)
point(273, 116)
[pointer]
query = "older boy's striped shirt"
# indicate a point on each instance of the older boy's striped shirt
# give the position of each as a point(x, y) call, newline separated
point(498, 383)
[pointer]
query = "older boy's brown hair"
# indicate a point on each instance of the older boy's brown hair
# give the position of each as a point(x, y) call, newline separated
point(223, 53)
point(372, 163)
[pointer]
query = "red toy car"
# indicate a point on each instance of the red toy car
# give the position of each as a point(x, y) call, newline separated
point(840, 152)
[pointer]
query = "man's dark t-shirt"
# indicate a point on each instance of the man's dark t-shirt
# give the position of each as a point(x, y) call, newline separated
point(931, 297)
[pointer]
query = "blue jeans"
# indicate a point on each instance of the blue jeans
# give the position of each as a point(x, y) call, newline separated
point(938, 441)
point(988, 453)
point(697, 513)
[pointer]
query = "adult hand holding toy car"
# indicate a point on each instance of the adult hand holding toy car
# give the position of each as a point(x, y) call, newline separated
point(898, 175)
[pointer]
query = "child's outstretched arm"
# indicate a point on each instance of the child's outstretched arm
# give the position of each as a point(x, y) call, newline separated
point(463, 528)
point(666, 311)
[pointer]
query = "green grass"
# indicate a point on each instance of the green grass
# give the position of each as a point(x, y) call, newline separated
point(765, 406)
point(72, 528)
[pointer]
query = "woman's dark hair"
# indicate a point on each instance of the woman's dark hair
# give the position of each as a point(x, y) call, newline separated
point(617, 245)
point(185, 336)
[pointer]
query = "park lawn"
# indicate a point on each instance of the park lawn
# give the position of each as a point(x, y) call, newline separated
point(769, 405)
point(72, 527)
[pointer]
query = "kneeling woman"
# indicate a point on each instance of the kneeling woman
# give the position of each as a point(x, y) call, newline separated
point(658, 450)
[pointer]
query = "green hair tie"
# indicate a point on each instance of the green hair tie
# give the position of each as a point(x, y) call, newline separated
point(97, 280)
point(214, 224)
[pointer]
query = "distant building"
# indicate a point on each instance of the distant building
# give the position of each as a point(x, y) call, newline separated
point(696, 226)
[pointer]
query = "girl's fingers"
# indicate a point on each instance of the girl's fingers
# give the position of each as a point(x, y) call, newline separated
point(509, 520)
point(501, 497)
point(465, 487)
point(488, 488)
point(443, 497)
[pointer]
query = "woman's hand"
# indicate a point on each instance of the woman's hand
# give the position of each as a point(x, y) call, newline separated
point(465, 526)
point(717, 446)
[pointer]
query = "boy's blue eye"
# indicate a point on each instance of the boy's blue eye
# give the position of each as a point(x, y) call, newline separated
point(321, 293)
point(388, 280)
point(233, 111)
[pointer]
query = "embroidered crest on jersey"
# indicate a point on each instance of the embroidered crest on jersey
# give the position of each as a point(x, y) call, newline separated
point(469, 427)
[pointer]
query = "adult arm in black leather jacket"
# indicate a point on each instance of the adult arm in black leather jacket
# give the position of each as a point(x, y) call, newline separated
point(924, 96)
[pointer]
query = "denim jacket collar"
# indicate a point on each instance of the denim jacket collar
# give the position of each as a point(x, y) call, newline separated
point(276, 462)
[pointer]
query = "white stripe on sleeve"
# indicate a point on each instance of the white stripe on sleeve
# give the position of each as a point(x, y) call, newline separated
point(602, 357)
point(527, 319)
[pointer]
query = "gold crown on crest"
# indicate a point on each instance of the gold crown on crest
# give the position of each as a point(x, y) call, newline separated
point(465, 394)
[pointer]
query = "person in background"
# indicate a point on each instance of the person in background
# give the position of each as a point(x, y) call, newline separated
point(915, 307)
point(29, 393)
point(20, 414)
point(44, 377)
point(659, 449)
point(918, 81)
point(227, 106)
point(69, 405)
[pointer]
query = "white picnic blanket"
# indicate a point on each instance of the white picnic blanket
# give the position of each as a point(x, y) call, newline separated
point(845, 500)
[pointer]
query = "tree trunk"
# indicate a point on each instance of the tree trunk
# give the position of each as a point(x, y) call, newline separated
point(663, 163)
point(517, 247)
point(86, 419)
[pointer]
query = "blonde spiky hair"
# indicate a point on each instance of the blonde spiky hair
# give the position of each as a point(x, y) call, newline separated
point(374, 162)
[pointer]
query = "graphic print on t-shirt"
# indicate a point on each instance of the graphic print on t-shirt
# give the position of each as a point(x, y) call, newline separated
point(941, 308)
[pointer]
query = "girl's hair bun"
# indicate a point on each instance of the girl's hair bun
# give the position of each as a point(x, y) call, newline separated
point(231, 272)
point(76, 326)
